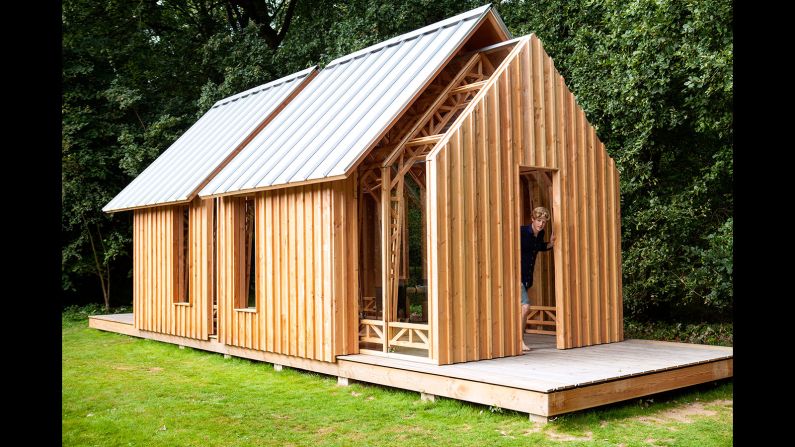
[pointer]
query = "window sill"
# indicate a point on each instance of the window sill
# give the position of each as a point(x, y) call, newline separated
point(251, 310)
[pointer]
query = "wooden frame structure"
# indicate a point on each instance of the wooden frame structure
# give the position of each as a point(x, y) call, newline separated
point(495, 120)
point(492, 132)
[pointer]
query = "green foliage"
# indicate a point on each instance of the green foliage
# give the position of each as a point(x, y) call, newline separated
point(123, 104)
point(653, 76)
point(721, 334)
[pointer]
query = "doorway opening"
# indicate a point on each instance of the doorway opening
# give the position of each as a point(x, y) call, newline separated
point(535, 189)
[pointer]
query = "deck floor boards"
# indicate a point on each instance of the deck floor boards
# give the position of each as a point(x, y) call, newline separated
point(543, 382)
point(548, 369)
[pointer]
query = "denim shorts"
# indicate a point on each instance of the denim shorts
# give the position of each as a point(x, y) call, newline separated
point(525, 298)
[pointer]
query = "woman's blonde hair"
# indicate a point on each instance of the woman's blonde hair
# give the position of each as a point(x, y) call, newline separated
point(540, 213)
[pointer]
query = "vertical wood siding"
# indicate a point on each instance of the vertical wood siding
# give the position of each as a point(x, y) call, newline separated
point(155, 249)
point(306, 272)
point(525, 116)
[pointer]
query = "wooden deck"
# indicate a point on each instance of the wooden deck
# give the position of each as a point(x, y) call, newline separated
point(544, 382)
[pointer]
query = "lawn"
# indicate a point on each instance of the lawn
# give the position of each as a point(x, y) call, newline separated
point(125, 391)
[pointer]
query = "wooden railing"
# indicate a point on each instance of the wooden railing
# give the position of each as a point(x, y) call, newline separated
point(368, 306)
point(543, 316)
point(371, 331)
point(410, 335)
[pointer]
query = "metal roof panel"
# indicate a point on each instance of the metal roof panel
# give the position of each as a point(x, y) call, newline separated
point(182, 168)
point(340, 113)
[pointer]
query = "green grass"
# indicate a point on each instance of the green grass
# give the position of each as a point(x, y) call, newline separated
point(125, 391)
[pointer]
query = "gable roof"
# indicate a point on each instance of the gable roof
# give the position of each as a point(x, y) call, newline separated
point(341, 113)
point(177, 174)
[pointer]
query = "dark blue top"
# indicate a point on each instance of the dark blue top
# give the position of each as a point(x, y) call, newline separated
point(531, 245)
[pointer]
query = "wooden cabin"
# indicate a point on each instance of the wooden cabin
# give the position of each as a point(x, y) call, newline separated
point(363, 221)
point(374, 207)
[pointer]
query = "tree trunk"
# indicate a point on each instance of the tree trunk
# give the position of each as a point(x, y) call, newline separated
point(99, 271)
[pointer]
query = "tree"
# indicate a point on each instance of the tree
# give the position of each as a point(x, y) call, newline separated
point(123, 104)
point(272, 18)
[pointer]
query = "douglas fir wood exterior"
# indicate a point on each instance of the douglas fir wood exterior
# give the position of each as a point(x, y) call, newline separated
point(157, 238)
point(278, 228)
point(305, 272)
point(524, 118)
point(287, 230)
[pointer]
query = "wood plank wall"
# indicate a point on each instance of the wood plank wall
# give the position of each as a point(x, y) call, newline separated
point(526, 116)
point(306, 272)
point(154, 280)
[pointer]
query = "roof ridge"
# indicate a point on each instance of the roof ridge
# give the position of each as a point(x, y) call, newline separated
point(478, 12)
point(264, 87)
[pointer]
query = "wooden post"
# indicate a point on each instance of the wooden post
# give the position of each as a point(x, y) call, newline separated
point(423, 213)
point(386, 290)
point(395, 244)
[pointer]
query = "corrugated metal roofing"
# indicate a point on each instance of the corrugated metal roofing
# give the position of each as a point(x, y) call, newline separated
point(182, 168)
point(340, 113)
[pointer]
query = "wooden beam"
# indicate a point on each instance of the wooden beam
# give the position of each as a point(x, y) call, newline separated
point(477, 98)
point(469, 87)
point(432, 109)
point(279, 186)
point(456, 51)
point(467, 390)
point(600, 394)
point(385, 233)
point(431, 139)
